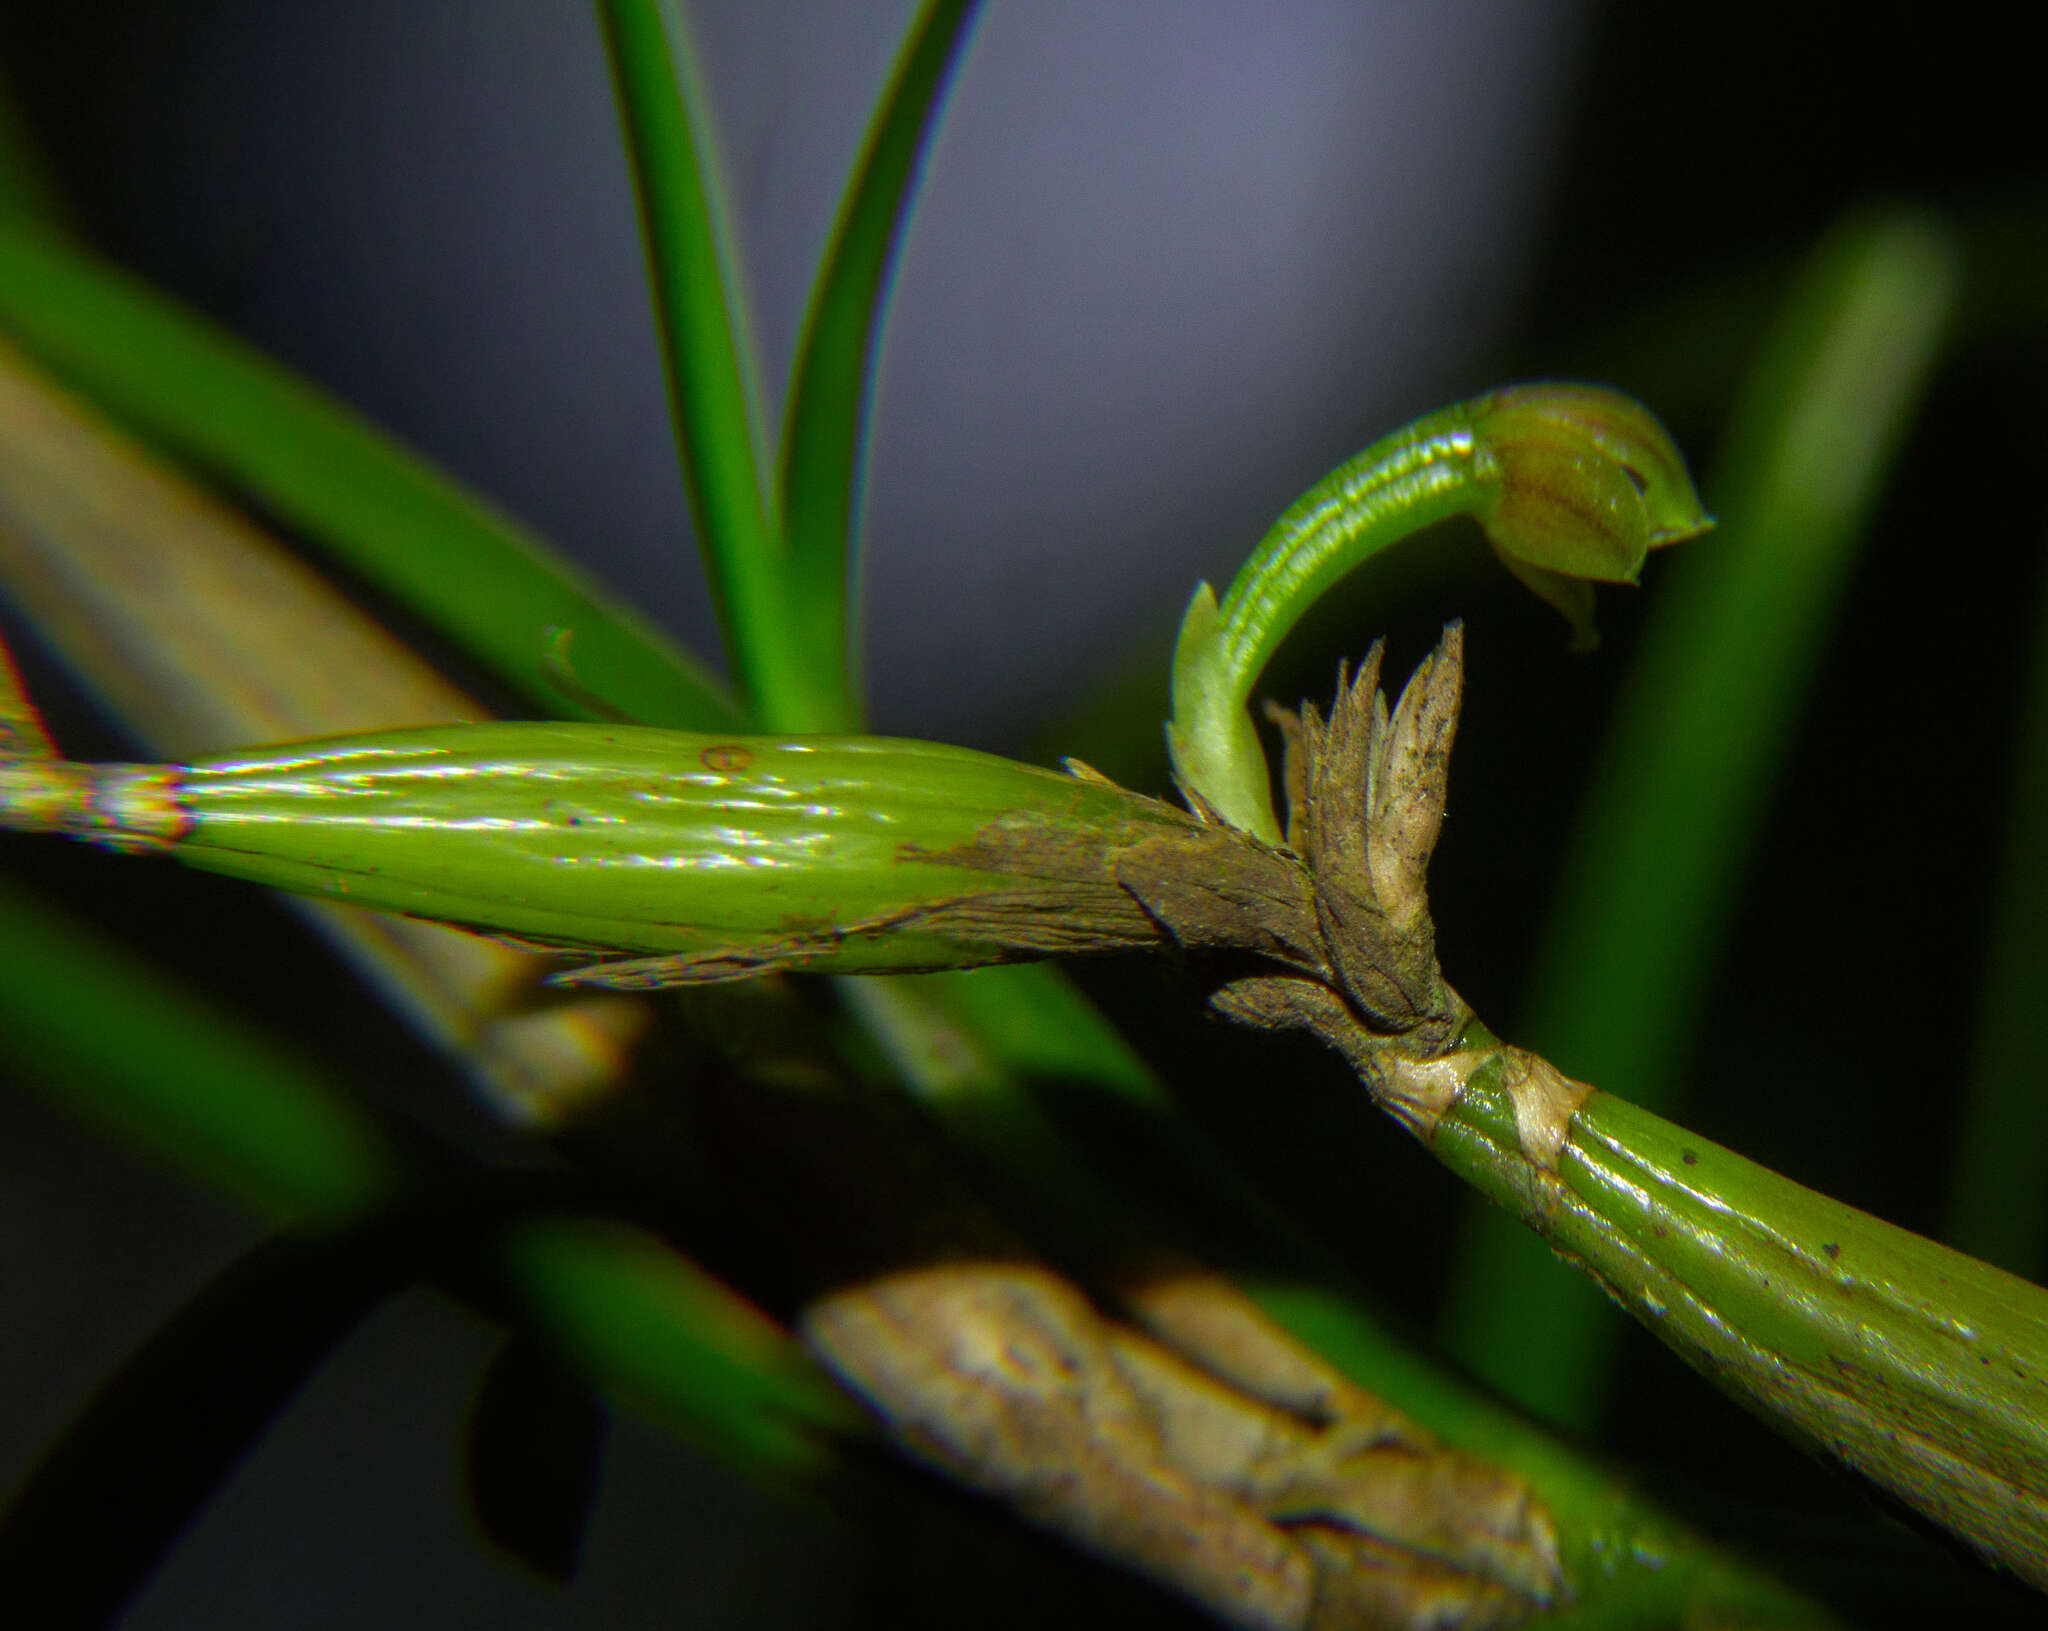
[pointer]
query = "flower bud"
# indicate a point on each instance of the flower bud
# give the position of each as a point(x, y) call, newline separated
point(1586, 482)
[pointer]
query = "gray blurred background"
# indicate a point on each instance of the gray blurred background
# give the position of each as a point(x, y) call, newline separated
point(1171, 262)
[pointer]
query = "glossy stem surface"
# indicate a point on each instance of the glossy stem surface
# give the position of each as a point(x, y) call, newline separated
point(1423, 473)
point(1923, 1369)
point(1573, 484)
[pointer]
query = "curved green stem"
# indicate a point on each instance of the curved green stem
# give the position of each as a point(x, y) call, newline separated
point(1570, 482)
point(1424, 473)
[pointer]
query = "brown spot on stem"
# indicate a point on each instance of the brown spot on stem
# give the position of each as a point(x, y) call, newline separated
point(726, 757)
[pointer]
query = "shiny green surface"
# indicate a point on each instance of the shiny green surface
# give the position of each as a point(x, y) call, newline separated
point(1423, 473)
point(1570, 482)
point(1923, 1369)
point(622, 838)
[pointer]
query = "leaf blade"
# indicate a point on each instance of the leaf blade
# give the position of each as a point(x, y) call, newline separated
point(831, 400)
point(440, 550)
point(707, 351)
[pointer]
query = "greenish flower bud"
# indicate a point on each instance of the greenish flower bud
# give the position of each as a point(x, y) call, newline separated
point(1585, 483)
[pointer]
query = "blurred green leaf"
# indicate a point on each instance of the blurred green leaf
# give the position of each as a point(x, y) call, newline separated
point(147, 1060)
point(656, 1331)
point(1670, 818)
point(446, 555)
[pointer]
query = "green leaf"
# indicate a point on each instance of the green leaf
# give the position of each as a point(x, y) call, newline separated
point(117, 1044)
point(825, 422)
point(449, 557)
point(708, 359)
point(656, 1331)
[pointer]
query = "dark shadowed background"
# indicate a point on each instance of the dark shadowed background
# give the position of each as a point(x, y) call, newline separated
point(1173, 259)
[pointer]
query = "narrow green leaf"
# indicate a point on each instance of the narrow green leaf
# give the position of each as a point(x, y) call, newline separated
point(1670, 819)
point(656, 92)
point(448, 556)
point(118, 1045)
point(707, 356)
point(666, 1339)
point(1998, 1177)
point(143, 1058)
point(824, 425)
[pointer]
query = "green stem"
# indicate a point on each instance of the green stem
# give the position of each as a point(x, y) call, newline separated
point(1573, 484)
point(976, 1050)
point(1424, 473)
point(1923, 1369)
